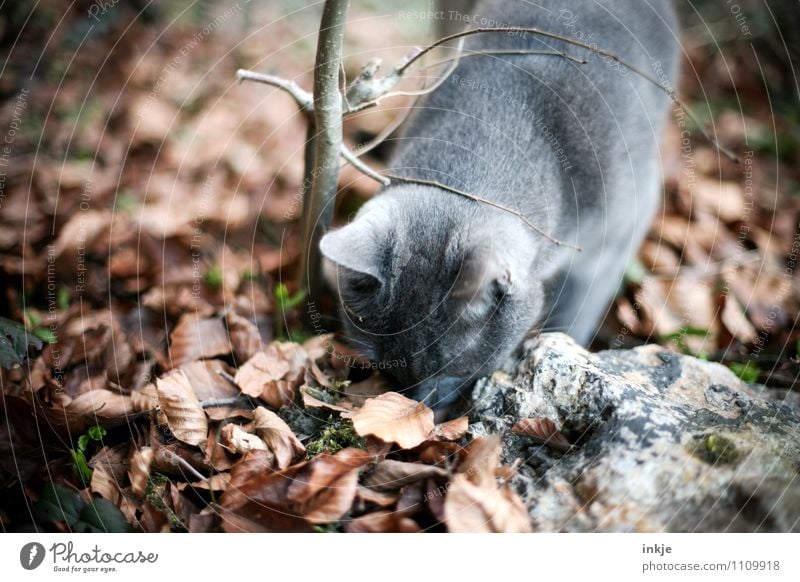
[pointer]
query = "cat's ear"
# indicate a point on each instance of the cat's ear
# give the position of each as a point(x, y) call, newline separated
point(484, 279)
point(357, 246)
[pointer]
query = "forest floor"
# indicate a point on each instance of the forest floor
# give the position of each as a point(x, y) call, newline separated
point(156, 372)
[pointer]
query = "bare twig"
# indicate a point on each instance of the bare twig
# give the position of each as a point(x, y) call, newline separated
point(364, 104)
point(502, 52)
point(491, 203)
point(352, 159)
point(304, 99)
point(318, 207)
point(224, 402)
point(524, 29)
point(176, 460)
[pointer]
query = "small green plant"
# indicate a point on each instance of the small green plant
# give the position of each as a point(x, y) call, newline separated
point(79, 464)
point(63, 297)
point(250, 275)
point(213, 277)
point(35, 325)
point(15, 339)
point(285, 302)
point(125, 201)
point(679, 339)
point(57, 504)
point(748, 372)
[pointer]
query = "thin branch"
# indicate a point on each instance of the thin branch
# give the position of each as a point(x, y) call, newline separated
point(318, 207)
point(668, 90)
point(359, 165)
point(424, 91)
point(305, 102)
point(176, 460)
point(304, 99)
point(224, 402)
point(491, 203)
point(501, 52)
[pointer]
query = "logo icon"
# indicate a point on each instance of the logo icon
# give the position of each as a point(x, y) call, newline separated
point(31, 555)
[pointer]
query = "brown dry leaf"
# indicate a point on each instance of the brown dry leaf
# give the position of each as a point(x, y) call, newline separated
point(379, 498)
point(145, 399)
point(317, 491)
point(139, 470)
point(439, 452)
point(474, 508)
point(99, 405)
point(217, 413)
point(245, 339)
point(80, 232)
point(482, 461)
point(474, 502)
point(452, 430)
point(383, 522)
point(235, 439)
point(543, 430)
point(360, 392)
point(390, 475)
point(207, 380)
point(274, 374)
point(104, 484)
point(278, 437)
point(324, 490)
point(184, 415)
point(735, 320)
point(218, 482)
point(395, 419)
point(195, 338)
point(346, 408)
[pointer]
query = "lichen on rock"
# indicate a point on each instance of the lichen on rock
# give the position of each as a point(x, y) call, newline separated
point(661, 441)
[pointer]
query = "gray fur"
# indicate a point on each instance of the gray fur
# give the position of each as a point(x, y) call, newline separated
point(452, 286)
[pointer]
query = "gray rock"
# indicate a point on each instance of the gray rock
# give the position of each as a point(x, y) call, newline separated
point(661, 442)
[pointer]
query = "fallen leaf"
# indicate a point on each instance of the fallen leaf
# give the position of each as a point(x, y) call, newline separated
point(206, 377)
point(184, 415)
point(99, 405)
point(383, 522)
point(274, 374)
point(482, 461)
point(451, 430)
point(104, 484)
point(390, 475)
point(394, 418)
point(379, 498)
point(309, 401)
point(473, 508)
point(321, 490)
point(235, 439)
point(543, 430)
point(139, 470)
point(244, 336)
point(195, 338)
point(474, 501)
point(278, 437)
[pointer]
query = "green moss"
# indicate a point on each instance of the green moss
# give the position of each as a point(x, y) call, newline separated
point(714, 449)
point(154, 494)
point(338, 434)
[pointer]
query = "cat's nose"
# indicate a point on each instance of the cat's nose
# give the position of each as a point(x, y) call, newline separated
point(441, 391)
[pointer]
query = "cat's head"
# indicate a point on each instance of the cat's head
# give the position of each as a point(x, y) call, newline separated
point(436, 289)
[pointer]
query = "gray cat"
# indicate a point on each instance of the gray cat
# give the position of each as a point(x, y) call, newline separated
point(451, 286)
